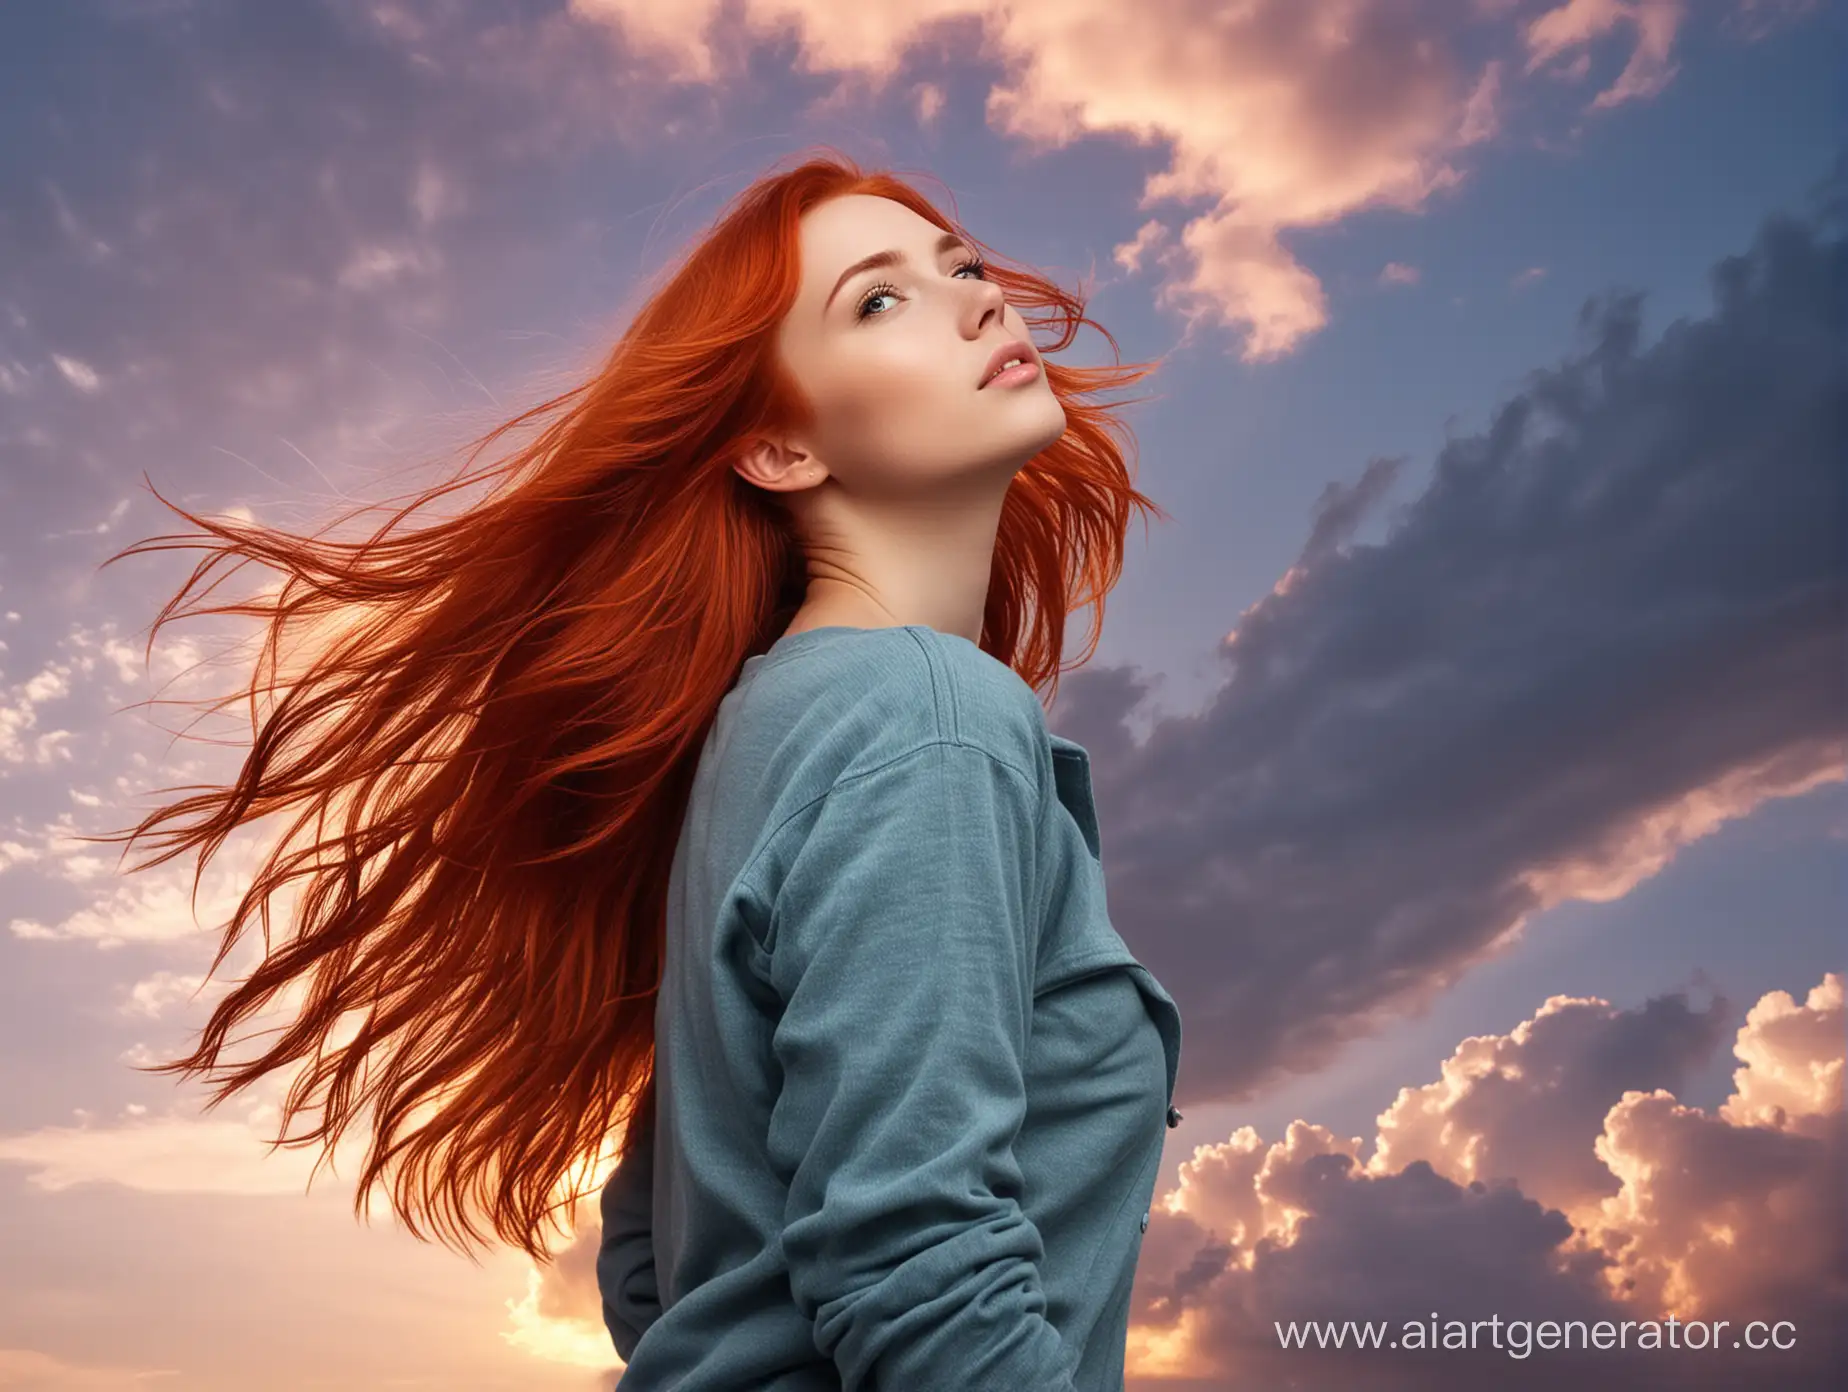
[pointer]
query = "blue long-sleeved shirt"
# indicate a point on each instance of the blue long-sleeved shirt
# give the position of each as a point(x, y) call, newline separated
point(911, 1086)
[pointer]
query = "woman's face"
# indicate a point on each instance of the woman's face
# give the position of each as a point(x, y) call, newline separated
point(893, 357)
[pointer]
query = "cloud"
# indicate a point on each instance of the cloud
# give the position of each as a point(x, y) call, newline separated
point(1792, 1065)
point(78, 373)
point(560, 1317)
point(1741, 1212)
point(1276, 114)
point(1702, 1215)
point(1572, 27)
point(1610, 624)
point(1528, 1105)
point(180, 1153)
point(1752, 20)
point(140, 309)
point(27, 1370)
point(19, 713)
point(153, 996)
point(89, 654)
point(158, 904)
point(1265, 118)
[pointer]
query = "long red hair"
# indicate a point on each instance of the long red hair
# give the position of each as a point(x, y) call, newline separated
point(509, 719)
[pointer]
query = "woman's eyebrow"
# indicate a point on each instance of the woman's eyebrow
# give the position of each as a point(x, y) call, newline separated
point(889, 257)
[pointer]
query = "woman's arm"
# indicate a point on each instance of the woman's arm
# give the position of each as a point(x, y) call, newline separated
point(625, 1257)
point(902, 944)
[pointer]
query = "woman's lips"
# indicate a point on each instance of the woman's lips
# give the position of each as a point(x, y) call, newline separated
point(1014, 376)
point(1018, 348)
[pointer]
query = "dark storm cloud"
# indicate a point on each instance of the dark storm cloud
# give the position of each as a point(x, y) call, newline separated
point(1626, 594)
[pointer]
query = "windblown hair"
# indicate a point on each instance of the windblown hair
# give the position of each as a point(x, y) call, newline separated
point(507, 724)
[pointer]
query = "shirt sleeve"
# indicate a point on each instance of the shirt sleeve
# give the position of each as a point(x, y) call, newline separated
point(625, 1253)
point(902, 950)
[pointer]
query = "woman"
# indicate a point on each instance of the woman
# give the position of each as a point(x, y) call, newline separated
point(738, 820)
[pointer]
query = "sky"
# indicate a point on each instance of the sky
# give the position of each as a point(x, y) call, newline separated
point(1469, 743)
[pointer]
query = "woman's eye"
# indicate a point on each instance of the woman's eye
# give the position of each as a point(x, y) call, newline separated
point(879, 292)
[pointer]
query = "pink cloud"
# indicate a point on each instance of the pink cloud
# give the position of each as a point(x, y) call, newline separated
point(1571, 27)
point(1532, 1179)
point(1275, 115)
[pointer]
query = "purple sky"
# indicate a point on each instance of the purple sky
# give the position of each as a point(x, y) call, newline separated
point(1502, 422)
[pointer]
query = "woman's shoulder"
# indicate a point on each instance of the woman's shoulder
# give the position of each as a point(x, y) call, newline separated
point(867, 696)
point(840, 743)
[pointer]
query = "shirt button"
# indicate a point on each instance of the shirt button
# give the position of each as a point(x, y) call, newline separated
point(1174, 1117)
point(1145, 1220)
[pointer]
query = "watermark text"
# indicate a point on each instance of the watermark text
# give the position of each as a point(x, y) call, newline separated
point(1520, 1338)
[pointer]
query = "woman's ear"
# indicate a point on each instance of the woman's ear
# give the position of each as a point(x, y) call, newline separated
point(777, 465)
